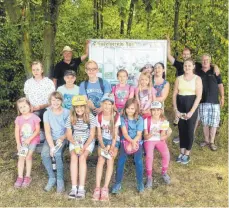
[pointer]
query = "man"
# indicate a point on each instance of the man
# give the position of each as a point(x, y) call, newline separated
point(94, 88)
point(68, 63)
point(209, 109)
point(180, 71)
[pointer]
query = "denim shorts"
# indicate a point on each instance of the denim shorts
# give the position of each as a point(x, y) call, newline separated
point(32, 147)
point(109, 142)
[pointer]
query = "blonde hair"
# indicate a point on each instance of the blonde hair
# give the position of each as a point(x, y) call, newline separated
point(22, 100)
point(148, 75)
point(136, 106)
point(91, 62)
point(38, 63)
point(74, 117)
point(56, 95)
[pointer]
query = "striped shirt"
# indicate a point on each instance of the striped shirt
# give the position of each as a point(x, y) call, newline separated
point(81, 129)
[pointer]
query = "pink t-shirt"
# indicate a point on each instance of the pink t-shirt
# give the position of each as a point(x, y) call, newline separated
point(144, 96)
point(122, 94)
point(27, 127)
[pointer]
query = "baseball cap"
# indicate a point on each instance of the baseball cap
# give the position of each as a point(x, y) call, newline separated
point(156, 104)
point(109, 97)
point(70, 72)
point(67, 48)
point(79, 100)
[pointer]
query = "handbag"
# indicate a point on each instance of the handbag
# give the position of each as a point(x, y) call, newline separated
point(127, 145)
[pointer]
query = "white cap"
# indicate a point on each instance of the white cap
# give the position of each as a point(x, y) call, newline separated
point(156, 104)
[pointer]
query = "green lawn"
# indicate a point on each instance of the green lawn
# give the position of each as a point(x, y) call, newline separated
point(201, 183)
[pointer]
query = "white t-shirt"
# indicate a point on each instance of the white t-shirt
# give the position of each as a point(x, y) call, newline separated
point(105, 127)
point(154, 129)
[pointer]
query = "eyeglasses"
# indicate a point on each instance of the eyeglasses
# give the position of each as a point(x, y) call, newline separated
point(91, 70)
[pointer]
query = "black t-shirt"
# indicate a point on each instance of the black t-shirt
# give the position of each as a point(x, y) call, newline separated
point(61, 67)
point(210, 86)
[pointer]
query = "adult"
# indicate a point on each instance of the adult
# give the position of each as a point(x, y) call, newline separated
point(37, 90)
point(94, 88)
point(159, 83)
point(209, 109)
point(68, 63)
point(186, 97)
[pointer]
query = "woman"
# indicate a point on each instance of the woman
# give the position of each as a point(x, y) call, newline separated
point(159, 83)
point(186, 97)
point(37, 90)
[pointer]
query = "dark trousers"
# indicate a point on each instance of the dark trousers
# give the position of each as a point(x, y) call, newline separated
point(186, 127)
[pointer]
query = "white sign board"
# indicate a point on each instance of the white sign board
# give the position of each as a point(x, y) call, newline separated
point(132, 55)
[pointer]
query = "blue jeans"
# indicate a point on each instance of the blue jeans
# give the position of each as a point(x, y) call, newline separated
point(47, 161)
point(138, 166)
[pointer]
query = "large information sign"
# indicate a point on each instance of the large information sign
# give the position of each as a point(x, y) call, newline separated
point(132, 55)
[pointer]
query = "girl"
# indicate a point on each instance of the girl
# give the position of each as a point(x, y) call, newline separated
point(37, 90)
point(108, 122)
point(148, 68)
point(83, 125)
point(156, 131)
point(122, 91)
point(159, 83)
point(186, 98)
point(54, 122)
point(27, 129)
point(145, 94)
point(132, 127)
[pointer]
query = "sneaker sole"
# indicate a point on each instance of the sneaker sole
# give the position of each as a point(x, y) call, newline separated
point(185, 163)
point(71, 197)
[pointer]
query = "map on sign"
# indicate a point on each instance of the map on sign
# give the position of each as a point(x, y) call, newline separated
point(132, 55)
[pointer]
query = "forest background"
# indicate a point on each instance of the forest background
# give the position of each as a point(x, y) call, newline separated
point(39, 29)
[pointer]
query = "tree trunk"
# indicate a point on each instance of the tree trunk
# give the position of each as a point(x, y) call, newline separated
point(94, 14)
point(121, 14)
point(130, 18)
point(21, 17)
point(176, 23)
point(101, 17)
point(50, 8)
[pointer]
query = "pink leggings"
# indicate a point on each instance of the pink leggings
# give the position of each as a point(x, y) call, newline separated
point(161, 146)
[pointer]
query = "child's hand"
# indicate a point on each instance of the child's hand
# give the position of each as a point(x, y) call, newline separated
point(27, 141)
point(107, 148)
point(52, 151)
point(111, 151)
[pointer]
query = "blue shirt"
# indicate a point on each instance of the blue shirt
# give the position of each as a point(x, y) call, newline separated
point(133, 126)
point(94, 92)
point(56, 122)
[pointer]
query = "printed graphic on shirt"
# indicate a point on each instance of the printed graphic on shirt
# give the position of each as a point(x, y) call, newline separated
point(26, 131)
point(95, 96)
point(106, 132)
point(121, 95)
point(144, 97)
point(67, 101)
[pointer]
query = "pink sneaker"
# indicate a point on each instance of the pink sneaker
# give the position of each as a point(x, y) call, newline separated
point(26, 182)
point(96, 194)
point(104, 194)
point(18, 182)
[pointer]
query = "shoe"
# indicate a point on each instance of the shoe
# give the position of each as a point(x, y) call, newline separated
point(116, 188)
point(179, 158)
point(140, 188)
point(185, 159)
point(60, 186)
point(81, 194)
point(104, 194)
point(18, 183)
point(50, 184)
point(72, 194)
point(96, 194)
point(213, 147)
point(176, 140)
point(166, 178)
point(204, 144)
point(26, 182)
point(149, 183)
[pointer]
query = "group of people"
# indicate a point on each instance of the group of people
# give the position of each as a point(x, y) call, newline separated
point(126, 120)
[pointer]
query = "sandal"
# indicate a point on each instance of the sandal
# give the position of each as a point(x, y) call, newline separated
point(104, 194)
point(213, 147)
point(96, 194)
point(204, 144)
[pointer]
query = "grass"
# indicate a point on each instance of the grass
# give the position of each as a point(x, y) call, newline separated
point(201, 183)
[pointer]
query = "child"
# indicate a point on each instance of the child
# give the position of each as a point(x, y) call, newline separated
point(107, 125)
point(148, 68)
point(83, 125)
point(69, 89)
point(54, 122)
point(122, 91)
point(156, 131)
point(27, 129)
point(132, 127)
point(145, 94)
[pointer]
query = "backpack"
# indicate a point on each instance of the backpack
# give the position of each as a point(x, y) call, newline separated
point(100, 83)
point(101, 114)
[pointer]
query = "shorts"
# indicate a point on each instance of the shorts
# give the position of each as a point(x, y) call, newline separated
point(32, 147)
point(109, 142)
point(209, 114)
point(90, 148)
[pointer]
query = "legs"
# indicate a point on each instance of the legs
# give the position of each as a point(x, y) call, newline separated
point(74, 168)
point(139, 169)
